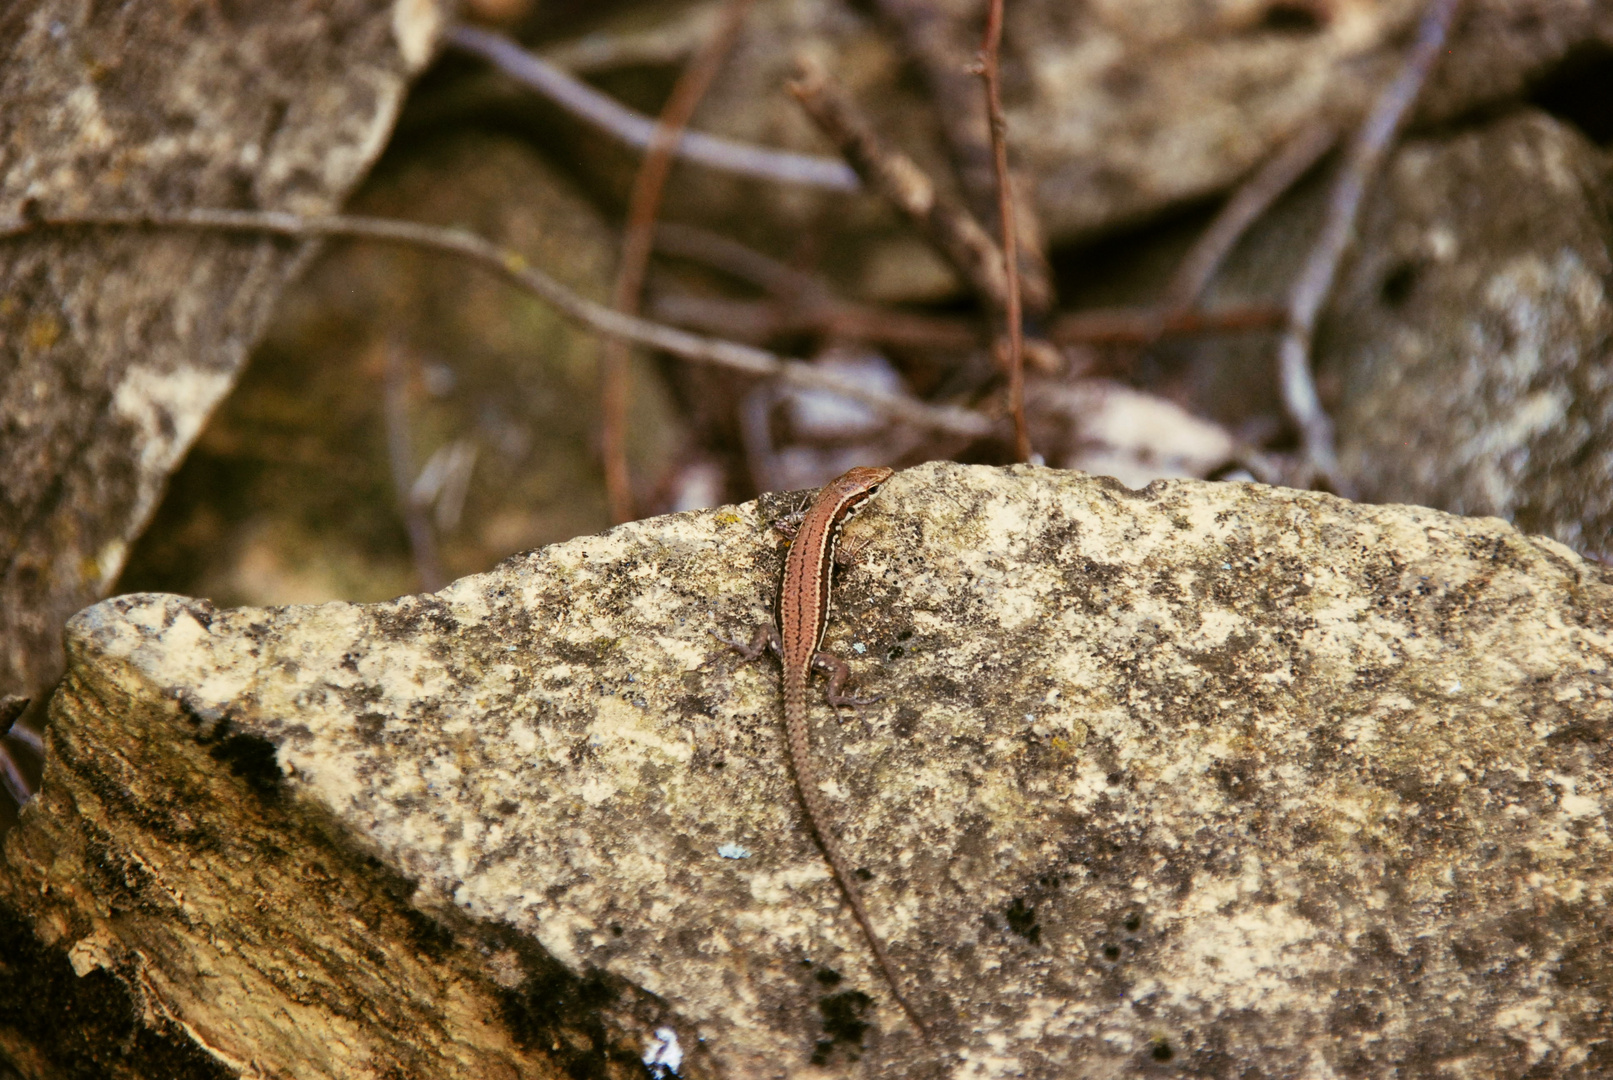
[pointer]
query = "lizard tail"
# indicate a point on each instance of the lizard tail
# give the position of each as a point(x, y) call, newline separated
point(806, 785)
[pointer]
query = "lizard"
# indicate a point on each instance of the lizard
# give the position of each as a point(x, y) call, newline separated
point(801, 615)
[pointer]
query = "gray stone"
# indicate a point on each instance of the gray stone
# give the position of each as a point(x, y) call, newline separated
point(115, 344)
point(1470, 335)
point(1215, 778)
point(312, 512)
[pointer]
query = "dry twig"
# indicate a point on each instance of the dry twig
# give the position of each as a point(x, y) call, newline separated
point(895, 177)
point(644, 206)
point(741, 261)
point(638, 131)
point(803, 302)
point(512, 266)
point(400, 455)
point(946, 223)
point(940, 45)
point(759, 320)
point(12, 778)
point(1140, 326)
point(990, 74)
point(1363, 158)
point(752, 320)
point(1253, 198)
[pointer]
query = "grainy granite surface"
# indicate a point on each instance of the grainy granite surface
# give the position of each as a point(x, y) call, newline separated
point(1206, 779)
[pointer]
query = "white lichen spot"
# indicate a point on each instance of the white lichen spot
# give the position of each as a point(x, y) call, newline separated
point(596, 790)
point(1248, 959)
point(168, 409)
point(1534, 1023)
point(664, 1056)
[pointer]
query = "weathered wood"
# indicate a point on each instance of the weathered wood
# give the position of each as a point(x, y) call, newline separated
point(166, 912)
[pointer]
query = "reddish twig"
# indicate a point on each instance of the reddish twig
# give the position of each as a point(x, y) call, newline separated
point(512, 266)
point(638, 131)
point(1253, 198)
point(644, 206)
point(1363, 159)
point(991, 75)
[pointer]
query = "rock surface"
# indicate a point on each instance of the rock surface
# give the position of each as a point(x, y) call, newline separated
point(1204, 779)
point(1117, 110)
point(115, 345)
point(1471, 334)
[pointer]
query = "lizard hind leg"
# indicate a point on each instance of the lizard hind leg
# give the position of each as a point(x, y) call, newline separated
point(838, 674)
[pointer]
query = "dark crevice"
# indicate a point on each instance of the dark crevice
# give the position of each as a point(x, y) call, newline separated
point(1579, 91)
point(1288, 17)
point(85, 1027)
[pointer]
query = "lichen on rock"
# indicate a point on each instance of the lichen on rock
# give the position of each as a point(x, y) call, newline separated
point(1209, 777)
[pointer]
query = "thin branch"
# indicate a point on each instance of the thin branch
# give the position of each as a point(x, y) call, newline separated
point(512, 266)
point(741, 261)
point(400, 456)
point(759, 320)
point(1248, 204)
point(12, 778)
point(1363, 159)
point(1140, 326)
point(753, 320)
point(895, 177)
point(644, 206)
point(668, 43)
point(939, 40)
point(803, 302)
point(637, 130)
point(992, 77)
point(28, 737)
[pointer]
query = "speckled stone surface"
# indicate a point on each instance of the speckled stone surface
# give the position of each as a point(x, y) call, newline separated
point(115, 345)
point(1206, 779)
point(1472, 332)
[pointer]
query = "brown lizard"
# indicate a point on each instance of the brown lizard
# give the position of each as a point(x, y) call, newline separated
point(801, 615)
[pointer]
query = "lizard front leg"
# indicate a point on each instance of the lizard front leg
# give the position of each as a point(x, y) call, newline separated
point(766, 637)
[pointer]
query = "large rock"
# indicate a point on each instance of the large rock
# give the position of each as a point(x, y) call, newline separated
point(1471, 334)
point(115, 345)
point(1213, 779)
